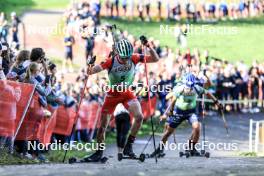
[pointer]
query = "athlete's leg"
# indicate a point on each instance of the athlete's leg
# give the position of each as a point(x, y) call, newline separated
point(195, 132)
point(122, 129)
point(168, 132)
point(173, 123)
point(135, 109)
point(102, 129)
point(193, 120)
point(108, 108)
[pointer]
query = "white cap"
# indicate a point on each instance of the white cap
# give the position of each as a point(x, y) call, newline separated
point(4, 48)
point(13, 14)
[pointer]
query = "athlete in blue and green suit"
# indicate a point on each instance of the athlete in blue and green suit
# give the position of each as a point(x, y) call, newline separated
point(183, 107)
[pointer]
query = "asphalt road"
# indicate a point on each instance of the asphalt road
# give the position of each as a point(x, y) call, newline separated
point(220, 162)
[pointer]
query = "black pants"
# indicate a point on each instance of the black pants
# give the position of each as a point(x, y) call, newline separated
point(122, 128)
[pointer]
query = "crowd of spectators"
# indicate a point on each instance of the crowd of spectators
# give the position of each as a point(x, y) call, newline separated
point(228, 81)
point(190, 9)
point(234, 83)
point(9, 30)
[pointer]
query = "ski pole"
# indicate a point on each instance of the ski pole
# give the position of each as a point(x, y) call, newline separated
point(149, 104)
point(203, 113)
point(90, 63)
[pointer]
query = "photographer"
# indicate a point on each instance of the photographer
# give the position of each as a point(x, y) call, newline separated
point(18, 70)
point(37, 55)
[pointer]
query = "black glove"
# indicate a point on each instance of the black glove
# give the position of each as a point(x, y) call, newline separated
point(91, 61)
point(144, 40)
point(220, 106)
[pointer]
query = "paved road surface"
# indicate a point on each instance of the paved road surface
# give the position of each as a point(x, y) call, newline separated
point(220, 163)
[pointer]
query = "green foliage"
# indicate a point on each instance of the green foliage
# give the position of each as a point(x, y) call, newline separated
point(248, 154)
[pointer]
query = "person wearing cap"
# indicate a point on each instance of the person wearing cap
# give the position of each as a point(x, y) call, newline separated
point(183, 107)
point(121, 73)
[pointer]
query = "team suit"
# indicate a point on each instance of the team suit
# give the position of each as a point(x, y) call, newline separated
point(120, 74)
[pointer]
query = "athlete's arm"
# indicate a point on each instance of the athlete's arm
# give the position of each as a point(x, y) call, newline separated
point(211, 96)
point(170, 95)
point(169, 110)
point(98, 68)
point(95, 69)
point(154, 57)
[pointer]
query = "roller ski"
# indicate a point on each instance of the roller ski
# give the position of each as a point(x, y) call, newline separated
point(97, 157)
point(158, 152)
point(141, 157)
point(129, 154)
point(194, 153)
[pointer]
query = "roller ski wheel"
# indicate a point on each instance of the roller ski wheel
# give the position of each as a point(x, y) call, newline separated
point(187, 154)
point(207, 155)
point(158, 152)
point(74, 160)
point(202, 152)
point(181, 154)
point(119, 156)
point(141, 157)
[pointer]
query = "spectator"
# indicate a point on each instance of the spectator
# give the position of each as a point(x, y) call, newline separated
point(14, 29)
point(68, 43)
point(254, 88)
point(147, 5)
point(114, 5)
point(2, 75)
point(124, 5)
point(6, 58)
point(37, 55)
point(18, 69)
point(3, 28)
point(140, 8)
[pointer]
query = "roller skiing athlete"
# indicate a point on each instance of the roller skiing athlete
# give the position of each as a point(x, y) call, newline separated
point(183, 107)
point(121, 71)
point(123, 124)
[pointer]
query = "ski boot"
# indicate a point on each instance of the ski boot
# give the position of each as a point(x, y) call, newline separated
point(95, 157)
point(158, 152)
point(128, 151)
point(194, 152)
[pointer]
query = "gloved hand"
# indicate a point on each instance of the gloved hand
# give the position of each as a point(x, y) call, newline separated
point(144, 40)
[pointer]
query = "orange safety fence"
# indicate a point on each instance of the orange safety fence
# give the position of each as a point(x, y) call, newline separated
point(47, 126)
point(14, 102)
point(65, 120)
point(31, 125)
point(145, 108)
point(89, 114)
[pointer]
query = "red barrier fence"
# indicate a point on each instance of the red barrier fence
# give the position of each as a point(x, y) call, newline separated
point(22, 114)
point(15, 99)
point(88, 115)
point(65, 120)
point(47, 126)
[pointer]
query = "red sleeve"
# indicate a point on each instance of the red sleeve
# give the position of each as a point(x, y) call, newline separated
point(107, 64)
point(137, 58)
